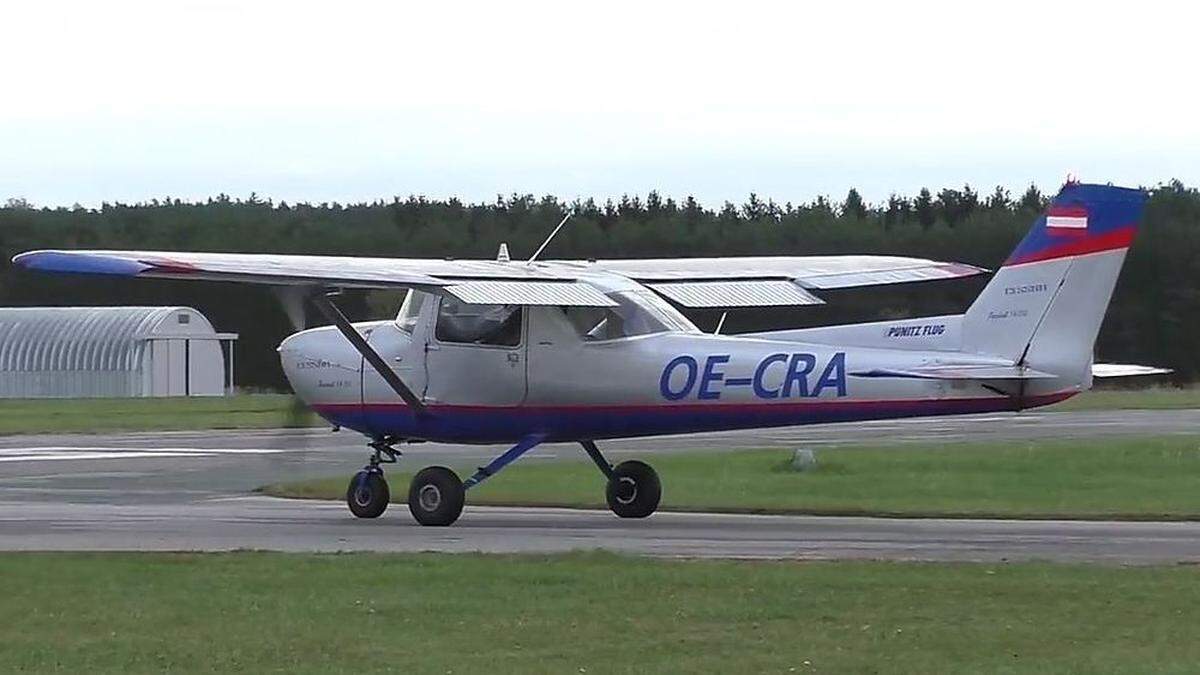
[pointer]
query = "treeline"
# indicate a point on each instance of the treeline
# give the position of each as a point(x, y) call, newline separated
point(1155, 317)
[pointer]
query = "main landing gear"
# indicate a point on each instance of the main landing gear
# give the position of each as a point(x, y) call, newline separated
point(436, 495)
point(633, 489)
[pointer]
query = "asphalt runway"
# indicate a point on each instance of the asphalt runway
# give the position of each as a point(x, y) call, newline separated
point(192, 491)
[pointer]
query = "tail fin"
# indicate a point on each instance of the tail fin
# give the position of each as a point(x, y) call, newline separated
point(1043, 308)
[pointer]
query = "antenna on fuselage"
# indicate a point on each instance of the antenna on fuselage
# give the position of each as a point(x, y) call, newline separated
point(550, 238)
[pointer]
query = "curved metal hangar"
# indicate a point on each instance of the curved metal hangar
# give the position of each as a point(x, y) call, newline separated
point(85, 352)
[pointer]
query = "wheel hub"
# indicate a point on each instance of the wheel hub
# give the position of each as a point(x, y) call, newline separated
point(362, 495)
point(430, 497)
point(626, 490)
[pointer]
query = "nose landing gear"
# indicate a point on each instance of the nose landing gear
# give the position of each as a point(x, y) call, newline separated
point(368, 493)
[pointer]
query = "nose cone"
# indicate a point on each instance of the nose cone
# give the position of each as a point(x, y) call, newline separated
point(322, 367)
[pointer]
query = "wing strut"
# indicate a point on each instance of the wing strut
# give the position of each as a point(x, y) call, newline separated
point(351, 333)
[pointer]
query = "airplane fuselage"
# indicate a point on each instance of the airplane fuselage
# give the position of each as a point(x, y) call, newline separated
point(554, 384)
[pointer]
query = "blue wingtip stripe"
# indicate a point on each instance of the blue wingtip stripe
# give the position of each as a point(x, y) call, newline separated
point(60, 262)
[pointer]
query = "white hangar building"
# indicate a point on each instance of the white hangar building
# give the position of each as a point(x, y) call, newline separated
point(85, 352)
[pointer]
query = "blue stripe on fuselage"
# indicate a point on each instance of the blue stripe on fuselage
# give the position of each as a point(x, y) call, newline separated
point(485, 424)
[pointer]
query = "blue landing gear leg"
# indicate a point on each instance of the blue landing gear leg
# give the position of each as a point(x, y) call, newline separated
point(436, 495)
point(633, 489)
point(523, 446)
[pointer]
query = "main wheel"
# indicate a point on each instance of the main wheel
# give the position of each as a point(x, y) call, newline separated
point(436, 496)
point(634, 490)
point(368, 494)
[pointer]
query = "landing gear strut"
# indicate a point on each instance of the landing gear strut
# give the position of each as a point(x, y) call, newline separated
point(368, 494)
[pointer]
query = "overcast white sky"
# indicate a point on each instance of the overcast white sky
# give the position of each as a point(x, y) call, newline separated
point(352, 101)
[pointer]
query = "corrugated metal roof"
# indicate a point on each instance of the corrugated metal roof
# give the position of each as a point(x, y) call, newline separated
point(748, 293)
point(78, 351)
point(529, 293)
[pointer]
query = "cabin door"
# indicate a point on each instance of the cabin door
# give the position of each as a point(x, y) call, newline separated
point(476, 355)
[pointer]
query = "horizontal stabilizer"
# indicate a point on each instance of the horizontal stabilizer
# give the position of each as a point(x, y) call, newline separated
point(1125, 370)
point(959, 372)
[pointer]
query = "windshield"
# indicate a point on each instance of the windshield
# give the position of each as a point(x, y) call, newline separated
point(636, 313)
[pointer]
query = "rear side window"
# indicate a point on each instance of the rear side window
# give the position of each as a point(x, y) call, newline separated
point(496, 325)
point(636, 313)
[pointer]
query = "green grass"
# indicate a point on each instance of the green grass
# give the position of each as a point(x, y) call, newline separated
point(1153, 398)
point(586, 613)
point(245, 411)
point(1129, 478)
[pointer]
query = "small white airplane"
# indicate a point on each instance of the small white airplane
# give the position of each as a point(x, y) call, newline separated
point(525, 352)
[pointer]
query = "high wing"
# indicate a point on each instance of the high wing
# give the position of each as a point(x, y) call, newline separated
point(692, 282)
point(471, 280)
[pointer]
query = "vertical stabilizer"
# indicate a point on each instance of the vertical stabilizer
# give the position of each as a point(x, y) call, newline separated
point(1044, 306)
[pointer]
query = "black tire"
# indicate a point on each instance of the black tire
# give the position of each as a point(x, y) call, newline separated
point(634, 490)
point(436, 496)
point(368, 494)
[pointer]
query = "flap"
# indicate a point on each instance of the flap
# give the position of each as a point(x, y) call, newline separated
point(529, 293)
point(739, 293)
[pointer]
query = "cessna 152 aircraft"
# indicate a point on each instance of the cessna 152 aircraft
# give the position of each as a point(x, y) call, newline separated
point(525, 352)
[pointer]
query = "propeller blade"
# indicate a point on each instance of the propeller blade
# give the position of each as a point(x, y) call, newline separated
point(293, 300)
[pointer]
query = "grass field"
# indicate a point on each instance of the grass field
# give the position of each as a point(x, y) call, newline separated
point(586, 613)
point(245, 411)
point(1128, 478)
point(1153, 398)
point(256, 411)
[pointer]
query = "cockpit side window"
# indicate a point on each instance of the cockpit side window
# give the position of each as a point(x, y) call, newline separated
point(496, 325)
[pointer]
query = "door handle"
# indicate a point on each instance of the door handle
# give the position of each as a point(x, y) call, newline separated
point(513, 357)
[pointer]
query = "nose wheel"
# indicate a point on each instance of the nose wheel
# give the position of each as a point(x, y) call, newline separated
point(368, 494)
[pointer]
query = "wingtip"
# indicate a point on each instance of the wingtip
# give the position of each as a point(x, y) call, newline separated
point(23, 259)
point(76, 262)
point(29, 259)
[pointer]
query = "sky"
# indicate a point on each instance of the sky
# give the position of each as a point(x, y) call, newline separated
point(354, 101)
